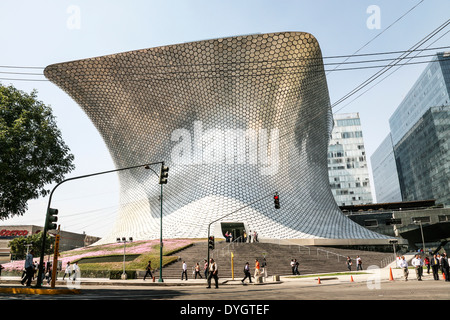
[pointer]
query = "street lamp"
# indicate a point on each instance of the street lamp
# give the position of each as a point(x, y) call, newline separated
point(124, 241)
point(419, 222)
point(41, 261)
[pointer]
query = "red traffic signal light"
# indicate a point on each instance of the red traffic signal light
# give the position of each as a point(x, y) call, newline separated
point(276, 200)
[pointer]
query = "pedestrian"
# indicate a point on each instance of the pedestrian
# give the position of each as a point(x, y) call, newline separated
point(250, 237)
point(197, 271)
point(213, 273)
point(245, 237)
point(247, 273)
point(48, 274)
point(257, 269)
point(1, 268)
point(67, 270)
point(417, 263)
point(426, 261)
point(29, 269)
point(293, 266)
point(184, 272)
point(148, 270)
point(264, 268)
point(358, 263)
point(255, 236)
point(445, 266)
point(349, 264)
point(404, 265)
point(75, 271)
point(435, 267)
point(205, 268)
point(296, 266)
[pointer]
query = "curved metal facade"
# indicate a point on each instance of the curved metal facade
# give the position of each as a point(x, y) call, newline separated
point(236, 120)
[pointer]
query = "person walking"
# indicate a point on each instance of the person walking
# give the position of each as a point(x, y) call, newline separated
point(404, 265)
point(257, 269)
point(148, 270)
point(67, 270)
point(1, 268)
point(184, 271)
point(29, 269)
point(76, 272)
point(349, 264)
point(445, 266)
point(205, 268)
point(358, 263)
point(213, 273)
point(264, 268)
point(417, 263)
point(426, 261)
point(296, 266)
point(435, 267)
point(247, 273)
point(197, 271)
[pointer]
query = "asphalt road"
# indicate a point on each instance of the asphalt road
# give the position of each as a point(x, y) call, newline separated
point(233, 299)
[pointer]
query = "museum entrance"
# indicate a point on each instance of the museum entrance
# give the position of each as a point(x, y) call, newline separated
point(236, 229)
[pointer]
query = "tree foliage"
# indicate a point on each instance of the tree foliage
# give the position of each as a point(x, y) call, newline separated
point(18, 246)
point(32, 152)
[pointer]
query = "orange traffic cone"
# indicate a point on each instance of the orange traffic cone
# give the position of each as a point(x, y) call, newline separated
point(318, 282)
point(391, 278)
point(351, 279)
point(443, 275)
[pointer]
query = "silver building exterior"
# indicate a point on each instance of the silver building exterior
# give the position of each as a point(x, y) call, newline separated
point(235, 119)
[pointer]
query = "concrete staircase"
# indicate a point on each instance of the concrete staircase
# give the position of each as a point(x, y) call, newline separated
point(312, 259)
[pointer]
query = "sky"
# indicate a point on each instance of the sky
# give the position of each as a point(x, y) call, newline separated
point(39, 33)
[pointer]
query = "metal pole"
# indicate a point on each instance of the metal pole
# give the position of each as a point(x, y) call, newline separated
point(160, 239)
point(41, 259)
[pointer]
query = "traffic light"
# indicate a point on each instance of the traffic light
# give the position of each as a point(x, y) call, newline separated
point(211, 242)
point(163, 174)
point(276, 200)
point(52, 218)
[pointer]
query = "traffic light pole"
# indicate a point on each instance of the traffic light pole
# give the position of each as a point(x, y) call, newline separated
point(41, 259)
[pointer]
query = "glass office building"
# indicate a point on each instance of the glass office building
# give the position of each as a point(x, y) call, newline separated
point(347, 164)
point(385, 176)
point(419, 138)
point(423, 158)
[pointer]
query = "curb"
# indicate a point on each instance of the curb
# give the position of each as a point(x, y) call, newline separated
point(30, 290)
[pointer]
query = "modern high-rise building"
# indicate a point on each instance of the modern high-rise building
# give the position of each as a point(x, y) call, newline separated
point(418, 140)
point(385, 175)
point(347, 164)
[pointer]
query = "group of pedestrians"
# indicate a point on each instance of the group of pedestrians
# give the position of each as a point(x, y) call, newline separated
point(437, 263)
point(349, 263)
point(250, 237)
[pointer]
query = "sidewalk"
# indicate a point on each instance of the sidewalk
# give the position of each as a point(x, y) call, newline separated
point(355, 276)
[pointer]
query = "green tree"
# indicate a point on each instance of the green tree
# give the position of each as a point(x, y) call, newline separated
point(18, 246)
point(32, 152)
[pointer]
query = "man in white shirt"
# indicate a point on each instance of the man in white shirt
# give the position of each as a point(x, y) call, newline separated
point(184, 272)
point(213, 273)
point(404, 265)
point(417, 263)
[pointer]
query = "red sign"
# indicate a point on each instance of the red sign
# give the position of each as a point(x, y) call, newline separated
point(13, 233)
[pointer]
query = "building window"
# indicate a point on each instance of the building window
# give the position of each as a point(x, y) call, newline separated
point(371, 223)
point(421, 219)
